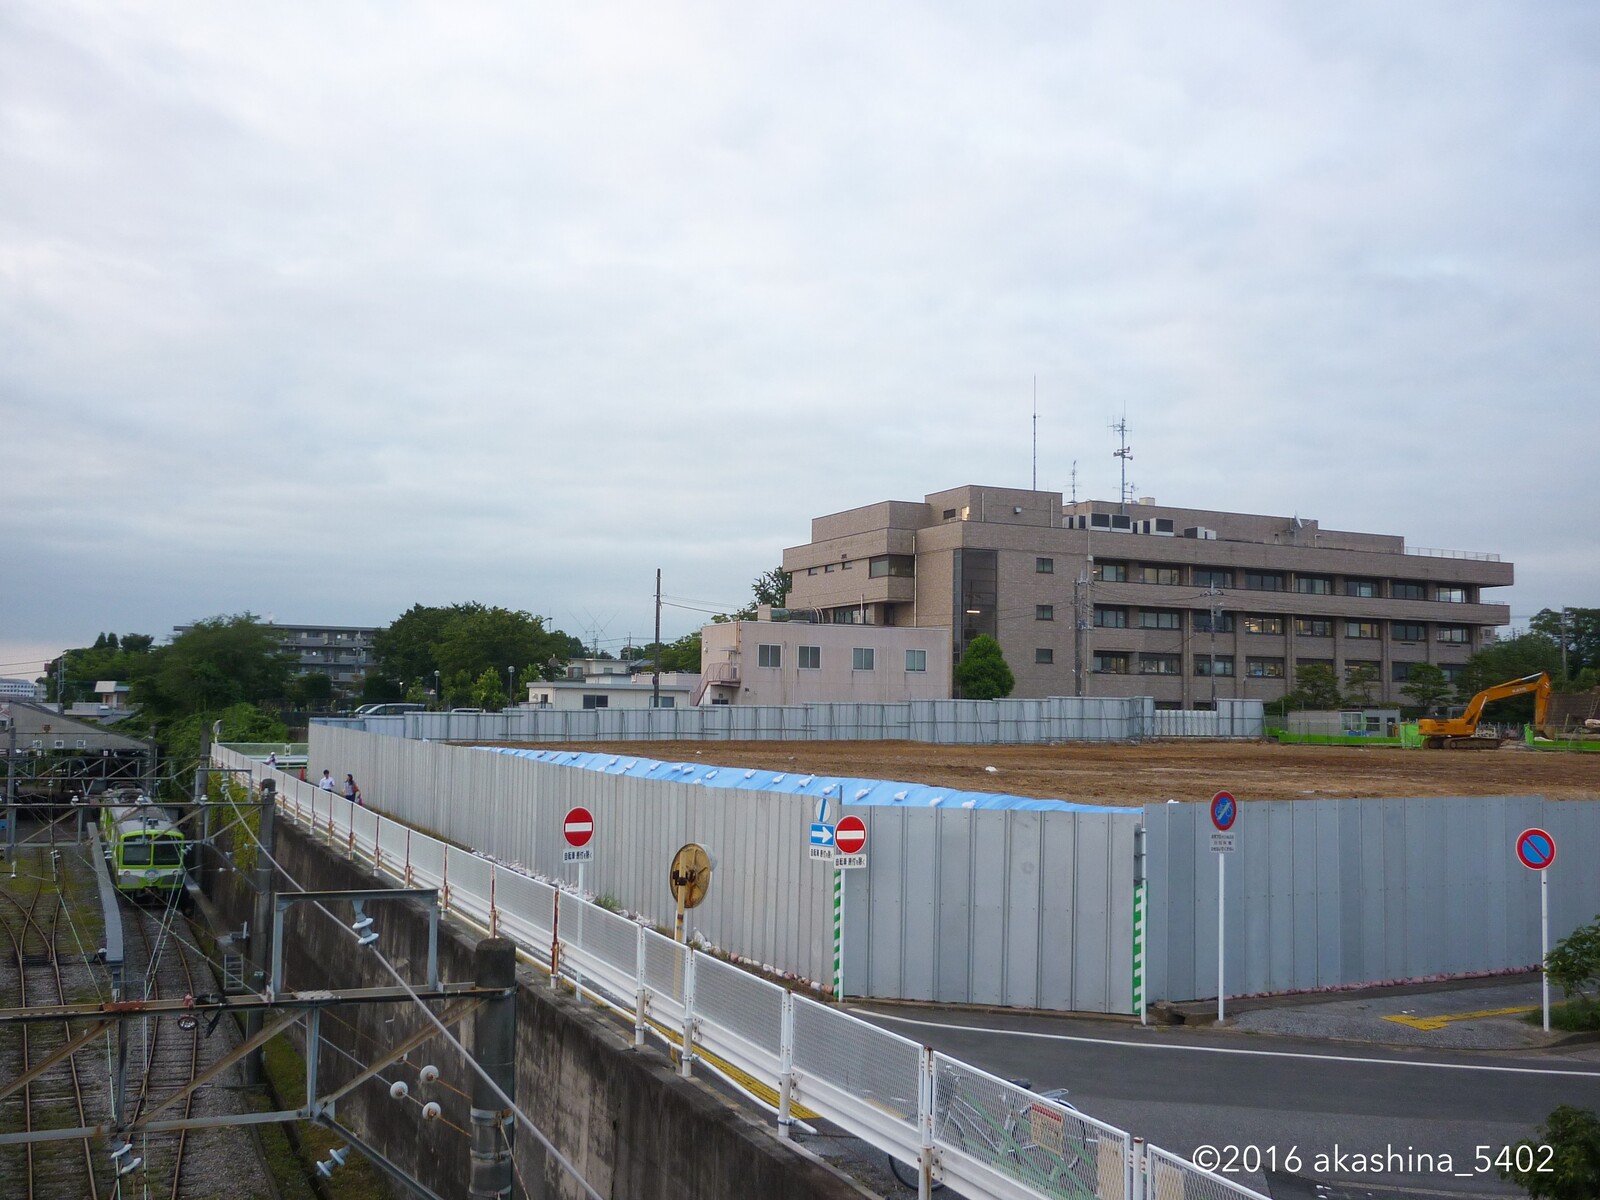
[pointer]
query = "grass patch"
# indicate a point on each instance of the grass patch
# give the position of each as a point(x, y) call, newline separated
point(358, 1179)
point(1579, 1015)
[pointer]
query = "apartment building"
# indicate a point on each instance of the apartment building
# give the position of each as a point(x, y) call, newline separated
point(341, 652)
point(1186, 605)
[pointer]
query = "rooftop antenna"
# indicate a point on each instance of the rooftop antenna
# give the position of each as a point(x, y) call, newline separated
point(1036, 432)
point(1074, 481)
point(1125, 453)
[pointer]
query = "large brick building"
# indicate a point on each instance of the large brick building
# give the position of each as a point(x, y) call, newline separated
point(1098, 598)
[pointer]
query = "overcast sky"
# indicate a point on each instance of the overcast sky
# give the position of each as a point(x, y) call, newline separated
point(320, 311)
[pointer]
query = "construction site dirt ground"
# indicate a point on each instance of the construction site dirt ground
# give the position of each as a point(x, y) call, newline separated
point(1158, 771)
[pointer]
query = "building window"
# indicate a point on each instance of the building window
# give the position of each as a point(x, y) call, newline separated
point(1167, 575)
point(810, 658)
point(827, 568)
point(1259, 624)
point(1300, 664)
point(1111, 572)
point(1207, 577)
point(892, 566)
point(1313, 585)
point(1402, 590)
point(1407, 631)
point(846, 565)
point(1365, 589)
point(1044, 655)
point(1264, 668)
point(949, 514)
point(1400, 672)
point(1202, 664)
point(916, 660)
point(861, 658)
point(1159, 664)
point(665, 702)
point(1044, 612)
point(1158, 618)
point(769, 656)
point(1113, 663)
point(1453, 672)
point(1263, 581)
point(1044, 566)
point(1361, 666)
point(1313, 627)
point(811, 570)
point(1362, 629)
point(597, 701)
point(1451, 595)
point(1110, 618)
point(1459, 635)
point(1202, 622)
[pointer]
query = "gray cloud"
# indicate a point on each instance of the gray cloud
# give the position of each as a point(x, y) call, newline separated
point(324, 313)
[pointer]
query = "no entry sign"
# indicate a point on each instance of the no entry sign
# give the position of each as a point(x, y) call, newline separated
point(578, 827)
point(1536, 849)
point(850, 835)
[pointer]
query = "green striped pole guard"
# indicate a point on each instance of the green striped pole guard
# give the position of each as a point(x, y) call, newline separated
point(838, 934)
point(1138, 950)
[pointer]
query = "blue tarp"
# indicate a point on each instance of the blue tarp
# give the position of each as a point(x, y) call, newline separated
point(853, 791)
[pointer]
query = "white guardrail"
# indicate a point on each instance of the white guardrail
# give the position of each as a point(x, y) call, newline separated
point(978, 1134)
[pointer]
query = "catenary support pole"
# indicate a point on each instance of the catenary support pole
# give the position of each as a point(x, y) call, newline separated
point(494, 1040)
point(261, 926)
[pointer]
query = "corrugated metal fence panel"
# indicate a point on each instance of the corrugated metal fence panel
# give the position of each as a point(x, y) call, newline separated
point(952, 722)
point(1323, 893)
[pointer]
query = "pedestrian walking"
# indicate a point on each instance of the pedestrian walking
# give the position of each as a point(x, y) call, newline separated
point(326, 782)
point(351, 792)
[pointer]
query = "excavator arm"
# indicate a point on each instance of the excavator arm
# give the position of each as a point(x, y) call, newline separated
point(1439, 733)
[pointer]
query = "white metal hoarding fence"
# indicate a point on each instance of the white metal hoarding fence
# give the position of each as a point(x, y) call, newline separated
point(982, 1135)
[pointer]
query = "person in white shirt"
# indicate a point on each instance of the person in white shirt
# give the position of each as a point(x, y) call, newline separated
point(326, 782)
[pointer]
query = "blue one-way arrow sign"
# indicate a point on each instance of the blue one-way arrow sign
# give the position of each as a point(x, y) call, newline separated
point(821, 841)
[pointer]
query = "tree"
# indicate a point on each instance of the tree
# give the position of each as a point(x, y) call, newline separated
point(1512, 658)
point(982, 673)
point(772, 587)
point(137, 643)
point(1316, 690)
point(469, 639)
point(1360, 679)
point(488, 693)
point(218, 662)
point(1578, 628)
point(1570, 1170)
point(404, 650)
point(180, 740)
point(1426, 686)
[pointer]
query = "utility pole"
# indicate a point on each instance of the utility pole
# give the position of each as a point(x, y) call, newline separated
point(655, 678)
point(1125, 453)
point(1082, 612)
point(11, 792)
point(1216, 615)
point(1564, 674)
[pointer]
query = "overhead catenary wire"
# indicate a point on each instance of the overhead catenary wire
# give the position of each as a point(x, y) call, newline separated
point(444, 1031)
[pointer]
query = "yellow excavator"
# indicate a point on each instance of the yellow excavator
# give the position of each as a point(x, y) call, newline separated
point(1460, 733)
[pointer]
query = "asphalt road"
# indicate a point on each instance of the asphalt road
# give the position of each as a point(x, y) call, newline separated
point(1363, 1119)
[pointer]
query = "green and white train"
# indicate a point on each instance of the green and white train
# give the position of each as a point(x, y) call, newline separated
point(143, 848)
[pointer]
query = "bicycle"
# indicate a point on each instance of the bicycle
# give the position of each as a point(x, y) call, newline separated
point(1008, 1142)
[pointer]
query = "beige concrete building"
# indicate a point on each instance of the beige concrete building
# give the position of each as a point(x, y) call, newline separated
point(1182, 604)
point(796, 662)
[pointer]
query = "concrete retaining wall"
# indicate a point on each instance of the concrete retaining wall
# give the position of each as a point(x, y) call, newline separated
point(622, 1116)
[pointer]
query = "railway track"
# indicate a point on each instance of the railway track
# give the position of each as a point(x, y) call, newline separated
point(70, 1093)
point(44, 960)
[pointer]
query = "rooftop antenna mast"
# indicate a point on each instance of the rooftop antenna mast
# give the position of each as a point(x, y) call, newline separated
point(1125, 453)
point(1036, 433)
point(1074, 481)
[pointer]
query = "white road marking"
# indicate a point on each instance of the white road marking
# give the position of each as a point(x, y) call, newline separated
point(1344, 1058)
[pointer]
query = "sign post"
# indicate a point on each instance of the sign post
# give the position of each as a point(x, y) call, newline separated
point(1224, 812)
point(1536, 850)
